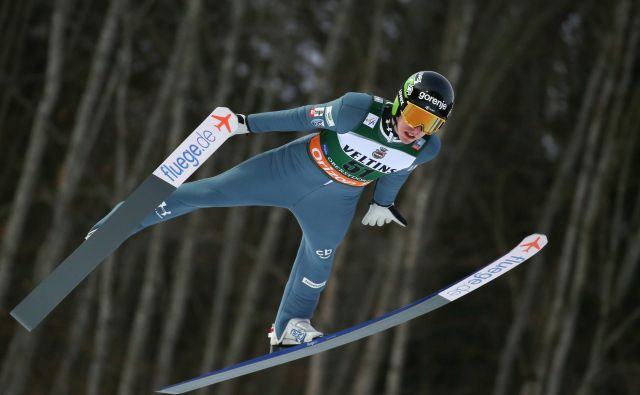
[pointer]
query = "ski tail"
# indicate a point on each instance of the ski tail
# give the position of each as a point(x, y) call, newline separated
point(184, 161)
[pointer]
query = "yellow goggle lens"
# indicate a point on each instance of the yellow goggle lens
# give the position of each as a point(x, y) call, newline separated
point(416, 116)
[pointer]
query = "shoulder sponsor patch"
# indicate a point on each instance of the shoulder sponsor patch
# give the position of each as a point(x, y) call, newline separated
point(318, 123)
point(371, 120)
point(316, 112)
point(328, 116)
point(378, 99)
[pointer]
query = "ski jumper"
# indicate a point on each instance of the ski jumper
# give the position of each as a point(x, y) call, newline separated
point(319, 178)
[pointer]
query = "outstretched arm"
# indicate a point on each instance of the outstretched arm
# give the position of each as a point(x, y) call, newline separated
point(340, 115)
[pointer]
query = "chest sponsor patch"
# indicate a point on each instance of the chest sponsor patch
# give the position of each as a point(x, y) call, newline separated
point(371, 120)
point(371, 154)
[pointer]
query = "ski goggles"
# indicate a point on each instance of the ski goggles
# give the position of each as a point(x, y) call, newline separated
point(416, 116)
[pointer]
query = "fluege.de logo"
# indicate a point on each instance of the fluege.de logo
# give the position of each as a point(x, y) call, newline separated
point(175, 166)
point(197, 147)
point(485, 275)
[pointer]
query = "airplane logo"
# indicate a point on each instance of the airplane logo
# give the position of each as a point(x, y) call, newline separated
point(533, 244)
point(223, 121)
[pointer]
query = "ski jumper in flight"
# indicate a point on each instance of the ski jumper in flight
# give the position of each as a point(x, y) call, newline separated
point(355, 140)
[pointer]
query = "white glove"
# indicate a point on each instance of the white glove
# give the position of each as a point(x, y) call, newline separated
point(380, 215)
point(242, 125)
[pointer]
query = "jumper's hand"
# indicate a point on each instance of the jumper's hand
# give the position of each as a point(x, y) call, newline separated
point(380, 215)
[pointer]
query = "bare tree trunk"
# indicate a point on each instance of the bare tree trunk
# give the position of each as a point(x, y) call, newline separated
point(332, 51)
point(457, 32)
point(625, 277)
point(165, 93)
point(106, 295)
point(418, 197)
point(142, 324)
point(629, 268)
point(5, 13)
point(240, 331)
point(11, 57)
point(79, 328)
point(509, 37)
point(219, 306)
point(342, 372)
point(141, 321)
point(369, 74)
point(607, 302)
point(105, 313)
point(233, 230)
point(393, 385)
point(182, 273)
point(317, 367)
point(460, 16)
point(180, 286)
point(81, 316)
point(580, 273)
point(37, 141)
point(318, 364)
point(15, 368)
point(628, 323)
point(551, 207)
point(231, 47)
point(374, 349)
point(561, 310)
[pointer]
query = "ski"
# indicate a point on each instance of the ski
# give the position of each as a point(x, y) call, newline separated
point(171, 173)
point(529, 246)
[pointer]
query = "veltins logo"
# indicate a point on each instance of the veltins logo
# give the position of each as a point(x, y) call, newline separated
point(197, 148)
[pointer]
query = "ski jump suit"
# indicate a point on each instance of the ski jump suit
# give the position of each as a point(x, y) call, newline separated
point(319, 178)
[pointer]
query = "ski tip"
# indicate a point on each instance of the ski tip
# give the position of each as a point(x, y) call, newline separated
point(533, 243)
point(541, 236)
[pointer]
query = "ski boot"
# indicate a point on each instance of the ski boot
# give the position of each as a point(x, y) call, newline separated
point(297, 331)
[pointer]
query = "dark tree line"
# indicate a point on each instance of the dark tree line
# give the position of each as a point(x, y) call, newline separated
point(543, 138)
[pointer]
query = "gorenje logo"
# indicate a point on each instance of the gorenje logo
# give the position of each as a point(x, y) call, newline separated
point(437, 102)
point(197, 148)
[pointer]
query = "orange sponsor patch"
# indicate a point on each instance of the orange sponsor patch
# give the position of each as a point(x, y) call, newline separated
point(315, 149)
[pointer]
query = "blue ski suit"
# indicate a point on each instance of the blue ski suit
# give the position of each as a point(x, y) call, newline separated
point(288, 177)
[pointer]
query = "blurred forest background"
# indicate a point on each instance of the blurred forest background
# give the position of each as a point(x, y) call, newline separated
point(543, 138)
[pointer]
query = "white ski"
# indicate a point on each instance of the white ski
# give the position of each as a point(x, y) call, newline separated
point(527, 248)
point(175, 170)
